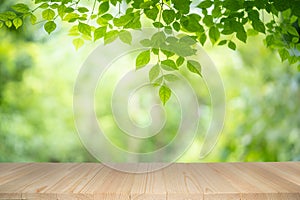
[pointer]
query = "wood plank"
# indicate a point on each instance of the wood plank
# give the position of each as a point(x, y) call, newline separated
point(240, 181)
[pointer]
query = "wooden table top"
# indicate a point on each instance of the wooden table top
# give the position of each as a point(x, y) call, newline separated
point(257, 181)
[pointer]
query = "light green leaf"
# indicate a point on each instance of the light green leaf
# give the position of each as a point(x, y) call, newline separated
point(110, 36)
point(179, 61)
point(164, 94)
point(33, 19)
point(8, 23)
point(169, 65)
point(99, 33)
point(142, 59)
point(214, 34)
point(292, 30)
point(48, 14)
point(78, 42)
point(20, 7)
point(50, 26)
point(103, 8)
point(1, 24)
point(146, 43)
point(154, 72)
point(298, 67)
point(168, 16)
point(194, 67)
point(170, 77)
point(17, 22)
point(84, 29)
point(125, 36)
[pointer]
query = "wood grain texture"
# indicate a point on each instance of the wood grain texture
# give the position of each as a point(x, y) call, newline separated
point(195, 181)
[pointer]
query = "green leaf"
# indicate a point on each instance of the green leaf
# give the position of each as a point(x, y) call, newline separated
point(169, 65)
point(84, 29)
point(78, 42)
point(298, 67)
point(292, 30)
point(158, 39)
point(164, 94)
point(48, 14)
point(182, 5)
point(170, 77)
point(152, 13)
point(232, 45)
point(33, 19)
point(208, 21)
point(123, 20)
point(194, 66)
point(1, 24)
point(241, 35)
point(158, 25)
point(20, 7)
point(103, 8)
point(205, 4)
point(17, 22)
point(146, 43)
point(8, 23)
point(154, 72)
point(82, 10)
point(176, 26)
point(222, 42)
point(214, 34)
point(99, 33)
point(259, 26)
point(168, 16)
point(284, 54)
point(158, 81)
point(142, 59)
point(49, 26)
point(111, 36)
point(125, 36)
point(180, 61)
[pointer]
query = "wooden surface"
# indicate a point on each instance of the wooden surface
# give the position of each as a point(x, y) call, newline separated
point(257, 181)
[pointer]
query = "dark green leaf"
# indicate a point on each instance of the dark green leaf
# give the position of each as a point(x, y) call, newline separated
point(194, 66)
point(168, 16)
point(142, 59)
point(284, 54)
point(176, 26)
point(208, 20)
point(232, 45)
point(214, 34)
point(152, 13)
point(259, 26)
point(182, 5)
point(50, 26)
point(242, 35)
point(158, 25)
point(205, 4)
point(222, 42)
point(292, 30)
point(164, 94)
point(103, 8)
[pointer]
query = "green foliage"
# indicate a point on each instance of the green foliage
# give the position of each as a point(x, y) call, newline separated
point(222, 21)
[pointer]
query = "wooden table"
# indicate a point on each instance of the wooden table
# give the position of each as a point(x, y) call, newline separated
point(178, 181)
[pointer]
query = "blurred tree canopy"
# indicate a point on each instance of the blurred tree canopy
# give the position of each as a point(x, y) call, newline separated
point(262, 123)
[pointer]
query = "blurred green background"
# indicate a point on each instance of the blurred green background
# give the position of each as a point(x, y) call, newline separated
point(38, 73)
